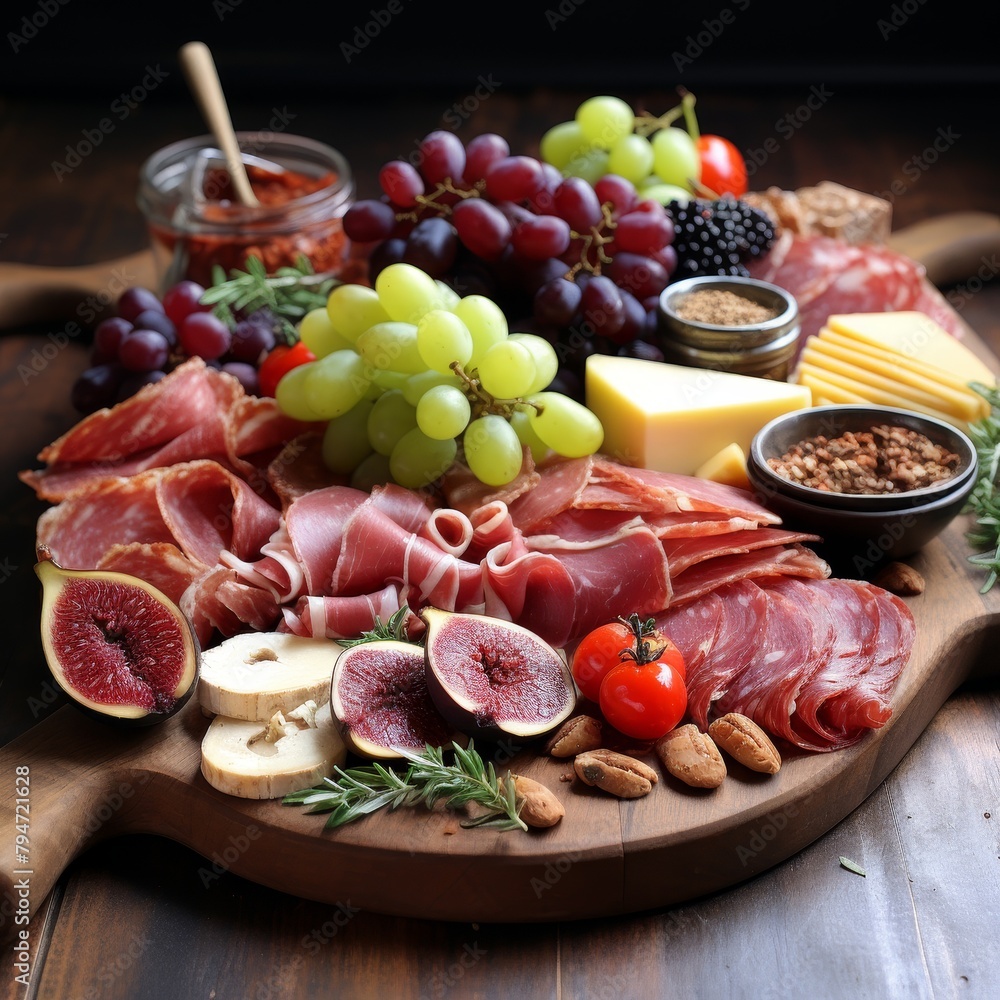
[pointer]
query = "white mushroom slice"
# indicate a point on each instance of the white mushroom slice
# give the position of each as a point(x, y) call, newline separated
point(237, 758)
point(255, 674)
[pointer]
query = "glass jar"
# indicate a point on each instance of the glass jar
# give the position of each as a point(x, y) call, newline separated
point(195, 220)
point(745, 345)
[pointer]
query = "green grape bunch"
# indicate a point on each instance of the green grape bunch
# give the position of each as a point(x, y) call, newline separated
point(411, 378)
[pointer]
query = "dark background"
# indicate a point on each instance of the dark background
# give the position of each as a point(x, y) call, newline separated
point(274, 49)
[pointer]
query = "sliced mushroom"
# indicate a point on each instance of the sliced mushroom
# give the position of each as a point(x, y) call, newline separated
point(253, 675)
point(267, 760)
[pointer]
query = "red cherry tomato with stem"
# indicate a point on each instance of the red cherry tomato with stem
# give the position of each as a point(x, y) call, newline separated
point(605, 647)
point(279, 361)
point(643, 700)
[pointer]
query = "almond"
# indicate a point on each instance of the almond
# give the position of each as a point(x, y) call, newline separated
point(745, 742)
point(899, 578)
point(692, 756)
point(540, 807)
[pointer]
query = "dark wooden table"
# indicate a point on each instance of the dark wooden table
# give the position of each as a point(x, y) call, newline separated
point(138, 918)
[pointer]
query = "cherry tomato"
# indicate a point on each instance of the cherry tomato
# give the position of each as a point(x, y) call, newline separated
point(599, 651)
point(279, 361)
point(723, 169)
point(643, 700)
point(606, 646)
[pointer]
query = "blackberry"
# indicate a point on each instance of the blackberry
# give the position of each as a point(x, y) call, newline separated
point(718, 236)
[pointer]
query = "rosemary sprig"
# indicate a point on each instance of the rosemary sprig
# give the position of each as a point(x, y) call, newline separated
point(289, 293)
point(984, 501)
point(393, 629)
point(358, 791)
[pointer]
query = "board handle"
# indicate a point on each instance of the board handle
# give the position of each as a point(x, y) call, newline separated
point(61, 790)
point(34, 293)
point(952, 247)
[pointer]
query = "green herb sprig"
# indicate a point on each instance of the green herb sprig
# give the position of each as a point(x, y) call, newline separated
point(394, 629)
point(358, 791)
point(984, 501)
point(289, 293)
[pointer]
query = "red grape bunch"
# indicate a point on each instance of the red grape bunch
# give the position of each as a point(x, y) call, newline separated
point(579, 263)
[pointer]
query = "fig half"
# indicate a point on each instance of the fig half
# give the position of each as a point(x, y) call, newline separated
point(492, 678)
point(120, 648)
point(380, 700)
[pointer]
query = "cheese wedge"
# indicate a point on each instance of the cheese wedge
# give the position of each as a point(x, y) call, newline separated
point(914, 335)
point(672, 418)
point(728, 466)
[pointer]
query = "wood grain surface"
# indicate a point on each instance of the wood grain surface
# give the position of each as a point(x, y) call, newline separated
point(143, 917)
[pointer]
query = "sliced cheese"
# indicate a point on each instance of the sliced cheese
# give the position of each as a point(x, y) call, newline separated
point(728, 466)
point(917, 373)
point(915, 335)
point(824, 393)
point(864, 392)
point(965, 405)
point(672, 418)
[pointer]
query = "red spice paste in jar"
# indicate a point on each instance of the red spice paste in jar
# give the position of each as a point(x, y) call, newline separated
point(300, 214)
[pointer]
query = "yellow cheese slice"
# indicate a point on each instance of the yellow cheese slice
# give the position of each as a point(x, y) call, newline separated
point(673, 418)
point(920, 369)
point(917, 336)
point(825, 393)
point(864, 393)
point(874, 372)
point(728, 466)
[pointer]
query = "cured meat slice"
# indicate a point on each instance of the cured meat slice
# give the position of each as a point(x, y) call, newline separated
point(195, 412)
point(683, 553)
point(217, 602)
point(340, 617)
point(792, 560)
point(827, 276)
point(693, 628)
point(715, 659)
point(160, 564)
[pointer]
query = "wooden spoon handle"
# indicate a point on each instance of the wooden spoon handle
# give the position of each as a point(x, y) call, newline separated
point(31, 293)
point(954, 247)
point(199, 67)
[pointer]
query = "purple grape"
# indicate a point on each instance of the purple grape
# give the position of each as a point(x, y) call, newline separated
point(204, 335)
point(369, 220)
point(482, 227)
point(640, 349)
point(96, 387)
point(155, 319)
point(575, 201)
point(385, 253)
point(643, 276)
point(431, 246)
point(557, 301)
point(481, 152)
point(602, 306)
point(108, 335)
point(134, 300)
point(144, 351)
point(245, 374)
point(251, 339)
point(442, 157)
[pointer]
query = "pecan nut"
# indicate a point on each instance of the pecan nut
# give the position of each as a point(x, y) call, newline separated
point(692, 756)
point(576, 735)
point(615, 772)
point(745, 742)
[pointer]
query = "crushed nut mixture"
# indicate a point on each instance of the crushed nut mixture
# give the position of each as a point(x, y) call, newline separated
point(886, 459)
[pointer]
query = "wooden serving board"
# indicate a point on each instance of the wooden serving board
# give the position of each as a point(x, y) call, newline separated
point(606, 857)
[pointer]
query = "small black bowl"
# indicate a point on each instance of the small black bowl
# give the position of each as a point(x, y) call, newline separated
point(866, 527)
